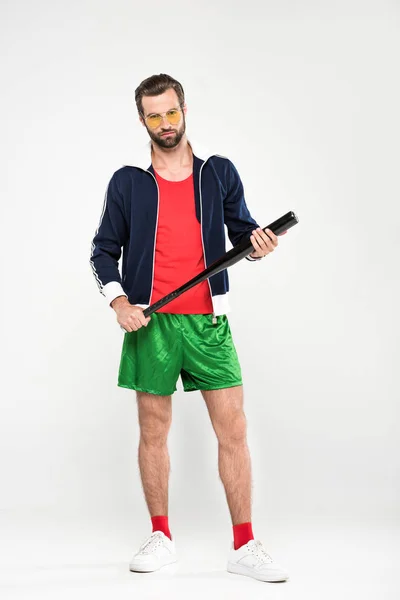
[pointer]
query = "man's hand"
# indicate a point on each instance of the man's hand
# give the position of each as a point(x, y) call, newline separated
point(129, 316)
point(263, 243)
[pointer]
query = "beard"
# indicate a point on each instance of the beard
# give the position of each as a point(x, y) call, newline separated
point(171, 141)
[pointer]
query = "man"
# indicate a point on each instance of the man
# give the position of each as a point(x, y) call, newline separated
point(167, 210)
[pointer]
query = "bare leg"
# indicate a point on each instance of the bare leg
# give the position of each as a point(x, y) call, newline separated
point(225, 408)
point(155, 415)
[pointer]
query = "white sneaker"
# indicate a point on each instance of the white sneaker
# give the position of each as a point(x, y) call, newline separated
point(252, 560)
point(155, 552)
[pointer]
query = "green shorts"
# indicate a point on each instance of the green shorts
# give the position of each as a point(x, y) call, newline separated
point(192, 346)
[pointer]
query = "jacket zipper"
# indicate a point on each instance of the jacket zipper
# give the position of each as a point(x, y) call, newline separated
point(214, 318)
point(155, 234)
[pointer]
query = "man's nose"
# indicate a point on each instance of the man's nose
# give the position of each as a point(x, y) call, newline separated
point(164, 119)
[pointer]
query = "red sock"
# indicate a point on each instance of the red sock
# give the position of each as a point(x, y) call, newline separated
point(242, 534)
point(160, 523)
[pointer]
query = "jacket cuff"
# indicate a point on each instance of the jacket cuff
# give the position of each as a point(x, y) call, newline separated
point(252, 258)
point(112, 290)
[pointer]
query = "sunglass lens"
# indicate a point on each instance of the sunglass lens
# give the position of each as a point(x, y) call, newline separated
point(173, 116)
point(154, 121)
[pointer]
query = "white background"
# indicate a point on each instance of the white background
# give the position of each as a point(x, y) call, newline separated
point(304, 98)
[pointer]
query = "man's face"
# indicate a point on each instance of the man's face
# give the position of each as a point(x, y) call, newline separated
point(162, 104)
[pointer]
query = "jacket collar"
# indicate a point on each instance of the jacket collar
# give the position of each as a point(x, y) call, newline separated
point(142, 157)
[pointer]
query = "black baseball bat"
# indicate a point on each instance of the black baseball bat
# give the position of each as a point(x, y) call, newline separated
point(231, 257)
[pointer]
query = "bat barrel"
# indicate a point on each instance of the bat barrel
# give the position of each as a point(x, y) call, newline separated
point(244, 248)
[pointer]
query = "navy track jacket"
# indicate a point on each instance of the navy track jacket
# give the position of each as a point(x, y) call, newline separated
point(129, 219)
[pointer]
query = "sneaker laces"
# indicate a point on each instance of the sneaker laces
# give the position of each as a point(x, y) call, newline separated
point(260, 552)
point(151, 544)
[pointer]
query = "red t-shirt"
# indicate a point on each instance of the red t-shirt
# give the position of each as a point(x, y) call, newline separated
point(179, 249)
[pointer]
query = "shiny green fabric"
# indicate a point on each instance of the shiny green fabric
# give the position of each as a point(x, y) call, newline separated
point(192, 346)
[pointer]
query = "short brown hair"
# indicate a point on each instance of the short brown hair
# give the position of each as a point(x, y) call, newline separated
point(156, 85)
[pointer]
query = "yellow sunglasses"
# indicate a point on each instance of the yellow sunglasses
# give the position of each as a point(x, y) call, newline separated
point(154, 120)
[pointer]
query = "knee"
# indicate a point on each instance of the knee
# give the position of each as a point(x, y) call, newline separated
point(233, 431)
point(154, 433)
point(154, 427)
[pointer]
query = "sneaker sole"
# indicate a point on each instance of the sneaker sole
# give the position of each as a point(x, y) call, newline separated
point(243, 570)
point(148, 569)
